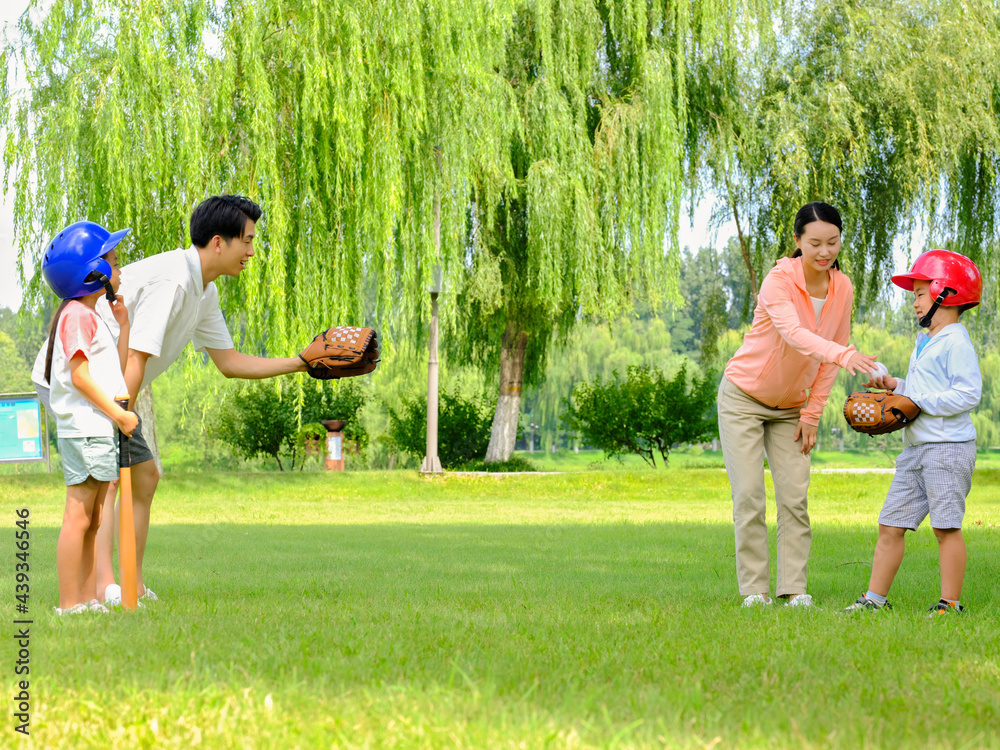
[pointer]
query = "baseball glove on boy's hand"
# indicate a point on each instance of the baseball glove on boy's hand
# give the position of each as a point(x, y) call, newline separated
point(341, 352)
point(879, 413)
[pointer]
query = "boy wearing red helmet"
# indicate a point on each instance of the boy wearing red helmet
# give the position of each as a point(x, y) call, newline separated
point(934, 471)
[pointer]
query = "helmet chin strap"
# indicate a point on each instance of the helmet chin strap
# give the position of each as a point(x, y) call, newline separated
point(925, 322)
point(109, 292)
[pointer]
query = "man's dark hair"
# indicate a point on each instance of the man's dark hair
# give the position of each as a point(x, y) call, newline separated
point(223, 215)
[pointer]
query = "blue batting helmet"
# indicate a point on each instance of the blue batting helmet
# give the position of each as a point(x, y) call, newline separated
point(74, 254)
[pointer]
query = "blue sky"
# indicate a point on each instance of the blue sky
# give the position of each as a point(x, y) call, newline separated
point(10, 292)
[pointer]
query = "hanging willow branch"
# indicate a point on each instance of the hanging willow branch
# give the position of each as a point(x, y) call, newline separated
point(890, 110)
point(542, 140)
point(568, 134)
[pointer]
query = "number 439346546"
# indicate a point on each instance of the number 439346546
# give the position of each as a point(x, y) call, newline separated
point(23, 545)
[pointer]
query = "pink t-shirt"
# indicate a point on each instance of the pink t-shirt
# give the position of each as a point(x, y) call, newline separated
point(82, 331)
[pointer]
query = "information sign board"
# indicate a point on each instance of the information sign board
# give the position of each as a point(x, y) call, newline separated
point(21, 437)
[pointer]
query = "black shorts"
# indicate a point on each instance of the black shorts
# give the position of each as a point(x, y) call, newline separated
point(134, 450)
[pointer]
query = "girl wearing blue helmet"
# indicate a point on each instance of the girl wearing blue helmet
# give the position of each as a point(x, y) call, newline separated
point(85, 370)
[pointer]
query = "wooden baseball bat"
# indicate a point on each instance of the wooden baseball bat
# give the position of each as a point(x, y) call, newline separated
point(126, 526)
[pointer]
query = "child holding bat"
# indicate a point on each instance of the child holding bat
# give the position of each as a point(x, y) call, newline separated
point(84, 368)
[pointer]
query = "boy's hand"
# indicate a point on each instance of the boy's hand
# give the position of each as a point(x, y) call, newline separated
point(885, 382)
point(120, 312)
point(127, 421)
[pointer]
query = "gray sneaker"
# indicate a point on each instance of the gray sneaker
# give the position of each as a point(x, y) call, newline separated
point(864, 604)
point(944, 608)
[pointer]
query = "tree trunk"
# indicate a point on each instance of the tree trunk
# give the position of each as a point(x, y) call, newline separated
point(743, 243)
point(144, 409)
point(508, 411)
point(739, 229)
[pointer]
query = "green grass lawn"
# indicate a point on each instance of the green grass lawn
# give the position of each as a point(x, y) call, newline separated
point(696, 458)
point(594, 609)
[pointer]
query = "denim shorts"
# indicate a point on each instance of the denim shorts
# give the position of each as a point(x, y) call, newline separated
point(138, 449)
point(84, 457)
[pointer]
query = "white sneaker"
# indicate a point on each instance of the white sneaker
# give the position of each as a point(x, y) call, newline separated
point(76, 609)
point(802, 600)
point(113, 595)
point(757, 600)
point(95, 606)
point(150, 595)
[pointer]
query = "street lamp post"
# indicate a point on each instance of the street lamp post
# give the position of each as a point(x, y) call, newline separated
point(432, 464)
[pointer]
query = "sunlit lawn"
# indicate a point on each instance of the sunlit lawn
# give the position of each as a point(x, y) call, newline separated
point(593, 609)
point(693, 457)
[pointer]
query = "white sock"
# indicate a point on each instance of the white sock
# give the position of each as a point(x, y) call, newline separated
point(873, 597)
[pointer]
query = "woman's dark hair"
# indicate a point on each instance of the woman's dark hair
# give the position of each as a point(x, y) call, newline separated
point(223, 215)
point(816, 211)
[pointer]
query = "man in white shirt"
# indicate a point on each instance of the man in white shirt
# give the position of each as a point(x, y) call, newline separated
point(172, 300)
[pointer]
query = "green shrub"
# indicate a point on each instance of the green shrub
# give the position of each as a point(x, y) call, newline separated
point(263, 417)
point(643, 414)
point(342, 399)
point(514, 463)
point(463, 428)
point(256, 418)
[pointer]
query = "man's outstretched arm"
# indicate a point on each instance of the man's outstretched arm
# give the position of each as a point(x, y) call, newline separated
point(234, 364)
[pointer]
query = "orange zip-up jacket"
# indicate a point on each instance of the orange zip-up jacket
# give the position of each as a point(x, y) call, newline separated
point(786, 351)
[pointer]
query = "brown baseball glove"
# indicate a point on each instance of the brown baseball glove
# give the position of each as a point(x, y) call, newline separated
point(341, 352)
point(878, 413)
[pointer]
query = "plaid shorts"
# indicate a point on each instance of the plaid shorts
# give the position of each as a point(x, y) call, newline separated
point(931, 479)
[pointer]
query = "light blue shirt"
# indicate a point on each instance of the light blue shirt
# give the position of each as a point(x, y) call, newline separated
point(944, 381)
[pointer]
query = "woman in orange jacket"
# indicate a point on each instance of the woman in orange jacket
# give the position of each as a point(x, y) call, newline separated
point(773, 394)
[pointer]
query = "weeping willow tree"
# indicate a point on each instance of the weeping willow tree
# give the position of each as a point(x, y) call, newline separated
point(888, 109)
point(325, 113)
point(593, 183)
point(531, 149)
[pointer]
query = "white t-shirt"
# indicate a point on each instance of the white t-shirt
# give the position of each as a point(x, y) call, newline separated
point(818, 306)
point(81, 330)
point(169, 306)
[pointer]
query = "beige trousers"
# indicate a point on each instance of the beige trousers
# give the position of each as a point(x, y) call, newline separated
point(749, 431)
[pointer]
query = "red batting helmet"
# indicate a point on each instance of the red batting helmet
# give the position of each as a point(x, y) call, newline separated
point(945, 270)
